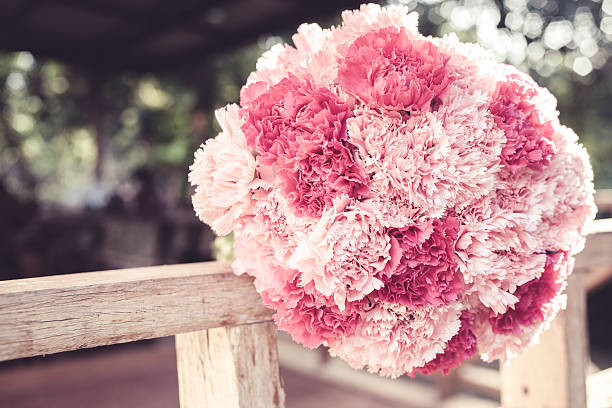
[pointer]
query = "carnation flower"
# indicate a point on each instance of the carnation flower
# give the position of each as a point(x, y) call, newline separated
point(346, 254)
point(311, 320)
point(531, 297)
point(392, 69)
point(427, 273)
point(300, 130)
point(273, 222)
point(528, 139)
point(280, 119)
point(405, 157)
point(222, 172)
point(506, 346)
point(472, 157)
point(460, 347)
point(404, 200)
point(369, 18)
point(393, 340)
point(504, 343)
point(570, 206)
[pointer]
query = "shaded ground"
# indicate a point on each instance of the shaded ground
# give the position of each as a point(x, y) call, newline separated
point(139, 374)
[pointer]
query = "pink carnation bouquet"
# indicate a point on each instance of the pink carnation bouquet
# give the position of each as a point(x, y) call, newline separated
point(404, 200)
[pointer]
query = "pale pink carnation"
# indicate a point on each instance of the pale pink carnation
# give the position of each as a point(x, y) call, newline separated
point(392, 340)
point(474, 143)
point(345, 254)
point(524, 192)
point(274, 64)
point(370, 17)
point(405, 158)
point(222, 172)
point(570, 207)
point(274, 223)
point(469, 63)
point(490, 241)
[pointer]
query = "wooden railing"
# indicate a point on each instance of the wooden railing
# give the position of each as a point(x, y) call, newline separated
point(225, 340)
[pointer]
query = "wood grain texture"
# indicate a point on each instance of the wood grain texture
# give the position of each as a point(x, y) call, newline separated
point(59, 313)
point(230, 367)
point(551, 374)
point(597, 251)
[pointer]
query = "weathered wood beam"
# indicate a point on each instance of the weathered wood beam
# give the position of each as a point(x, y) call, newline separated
point(47, 315)
point(233, 367)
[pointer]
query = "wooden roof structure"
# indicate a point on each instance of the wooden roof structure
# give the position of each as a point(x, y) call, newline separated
point(149, 35)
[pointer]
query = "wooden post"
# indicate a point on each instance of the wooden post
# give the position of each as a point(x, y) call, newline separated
point(447, 384)
point(233, 367)
point(551, 374)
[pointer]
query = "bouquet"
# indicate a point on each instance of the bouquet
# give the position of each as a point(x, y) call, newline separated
point(404, 200)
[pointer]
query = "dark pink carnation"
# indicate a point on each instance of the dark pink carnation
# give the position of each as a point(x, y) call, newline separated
point(528, 140)
point(312, 181)
point(396, 70)
point(458, 349)
point(427, 272)
point(310, 321)
point(300, 130)
point(532, 296)
point(290, 117)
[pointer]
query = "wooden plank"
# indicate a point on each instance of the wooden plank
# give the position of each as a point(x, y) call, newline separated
point(603, 200)
point(599, 389)
point(233, 367)
point(479, 380)
point(597, 251)
point(597, 277)
point(551, 374)
point(59, 313)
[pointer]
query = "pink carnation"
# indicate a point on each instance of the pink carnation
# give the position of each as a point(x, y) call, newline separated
point(459, 348)
point(427, 273)
point(300, 130)
point(390, 68)
point(532, 296)
point(346, 254)
point(528, 139)
point(473, 142)
point(496, 251)
point(570, 206)
point(288, 118)
point(274, 223)
point(393, 340)
point(405, 157)
point(318, 176)
point(311, 320)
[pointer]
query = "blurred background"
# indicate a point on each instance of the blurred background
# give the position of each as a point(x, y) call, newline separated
point(102, 104)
